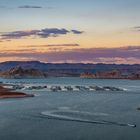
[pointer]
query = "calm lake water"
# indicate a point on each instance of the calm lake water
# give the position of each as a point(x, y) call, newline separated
point(27, 118)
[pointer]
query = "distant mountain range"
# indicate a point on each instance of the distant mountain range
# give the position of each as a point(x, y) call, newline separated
point(67, 68)
point(47, 66)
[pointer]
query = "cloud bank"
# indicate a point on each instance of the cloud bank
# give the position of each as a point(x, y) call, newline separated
point(137, 28)
point(62, 45)
point(121, 55)
point(43, 33)
point(29, 6)
point(77, 32)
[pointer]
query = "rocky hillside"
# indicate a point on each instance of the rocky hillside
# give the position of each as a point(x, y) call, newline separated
point(64, 69)
point(19, 72)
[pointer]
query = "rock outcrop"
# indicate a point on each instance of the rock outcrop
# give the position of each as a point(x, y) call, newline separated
point(11, 93)
point(113, 74)
point(19, 72)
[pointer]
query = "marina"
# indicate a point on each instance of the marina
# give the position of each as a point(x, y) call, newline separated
point(57, 88)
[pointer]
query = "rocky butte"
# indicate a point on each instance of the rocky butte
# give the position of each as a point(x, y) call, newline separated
point(19, 72)
point(113, 74)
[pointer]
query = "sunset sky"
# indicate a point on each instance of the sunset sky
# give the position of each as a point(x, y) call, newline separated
point(70, 31)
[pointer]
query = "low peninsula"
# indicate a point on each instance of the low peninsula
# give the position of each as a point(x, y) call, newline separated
point(11, 93)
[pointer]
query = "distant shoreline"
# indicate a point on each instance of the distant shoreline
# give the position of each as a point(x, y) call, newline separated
point(36, 69)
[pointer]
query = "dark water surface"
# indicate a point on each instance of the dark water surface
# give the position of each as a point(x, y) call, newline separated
point(34, 118)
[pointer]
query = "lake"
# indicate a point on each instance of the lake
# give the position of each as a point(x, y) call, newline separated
point(72, 115)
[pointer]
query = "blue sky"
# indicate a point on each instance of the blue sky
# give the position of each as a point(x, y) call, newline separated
point(119, 13)
point(105, 23)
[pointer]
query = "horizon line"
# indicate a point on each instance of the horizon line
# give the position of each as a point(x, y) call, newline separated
point(69, 63)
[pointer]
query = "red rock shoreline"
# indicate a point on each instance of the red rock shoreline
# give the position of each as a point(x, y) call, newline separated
point(10, 93)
